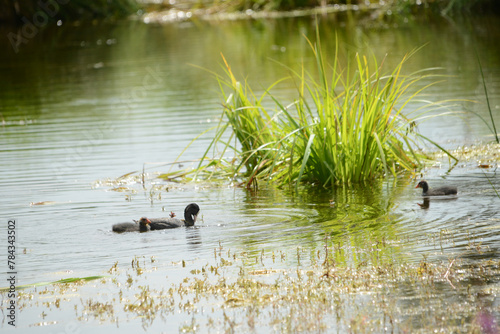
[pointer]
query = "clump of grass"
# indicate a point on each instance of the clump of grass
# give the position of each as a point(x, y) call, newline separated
point(346, 125)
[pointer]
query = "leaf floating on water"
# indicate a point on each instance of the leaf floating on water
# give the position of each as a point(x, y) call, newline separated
point(484, 166)
point(266, 297)
point(44, 323)
point(263, 272)
point(120, 189)
point(235, 301)
point(46, 203)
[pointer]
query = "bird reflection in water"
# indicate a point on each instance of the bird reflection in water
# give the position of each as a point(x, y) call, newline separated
point(193, 236)
point(425, 204)
point(427, 200)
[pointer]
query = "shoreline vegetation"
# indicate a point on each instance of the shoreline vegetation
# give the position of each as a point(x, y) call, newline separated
point(19, 12)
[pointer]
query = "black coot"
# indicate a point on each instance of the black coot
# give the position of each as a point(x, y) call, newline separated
point(441, 191)
point(190, 214)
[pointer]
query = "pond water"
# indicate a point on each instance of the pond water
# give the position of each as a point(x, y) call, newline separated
point(88, 103)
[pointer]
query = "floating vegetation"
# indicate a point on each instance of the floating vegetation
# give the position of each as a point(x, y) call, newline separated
point(330, 288)
point(485, 156)
point(48, 203)
point(43, 203)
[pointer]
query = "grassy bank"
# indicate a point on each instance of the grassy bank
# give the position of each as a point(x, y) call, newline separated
point(18, 11)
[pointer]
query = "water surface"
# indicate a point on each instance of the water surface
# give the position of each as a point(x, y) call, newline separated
point(82, 104)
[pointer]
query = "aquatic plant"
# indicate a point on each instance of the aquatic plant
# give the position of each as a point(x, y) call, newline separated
point(61, 281)
point(330, 287)
point(346, 125)
point(493, 129)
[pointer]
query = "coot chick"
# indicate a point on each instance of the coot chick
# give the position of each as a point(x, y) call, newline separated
point(441, 191)
point(142, 226)
point(190, 214)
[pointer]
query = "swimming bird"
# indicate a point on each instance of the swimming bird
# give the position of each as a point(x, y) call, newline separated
point(441, 191)
point(143, 225)
point(190, 214)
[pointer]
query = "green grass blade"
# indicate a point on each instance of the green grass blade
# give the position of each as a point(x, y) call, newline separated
point(438, 146)
point(487, 99)
point(307, 153)
point(61, 281)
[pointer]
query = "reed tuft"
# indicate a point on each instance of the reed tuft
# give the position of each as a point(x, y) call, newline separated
point(345, 126)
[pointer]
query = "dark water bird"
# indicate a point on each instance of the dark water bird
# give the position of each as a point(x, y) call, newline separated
point(190, 214)
point(441, 191)
point(143, 225)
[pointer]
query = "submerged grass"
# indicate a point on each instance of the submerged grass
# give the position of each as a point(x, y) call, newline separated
point(345, 126)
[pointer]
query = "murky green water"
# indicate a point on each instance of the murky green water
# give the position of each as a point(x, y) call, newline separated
point(81, 104)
